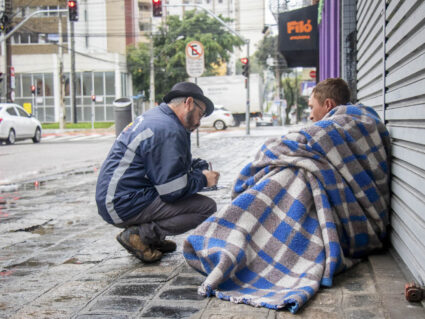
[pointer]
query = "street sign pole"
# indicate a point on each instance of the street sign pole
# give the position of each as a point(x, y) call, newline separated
point(195, 65)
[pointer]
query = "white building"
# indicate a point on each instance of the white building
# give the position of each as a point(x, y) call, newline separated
point(103, 31)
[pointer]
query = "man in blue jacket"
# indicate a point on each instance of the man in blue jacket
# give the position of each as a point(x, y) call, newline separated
point(148, 183)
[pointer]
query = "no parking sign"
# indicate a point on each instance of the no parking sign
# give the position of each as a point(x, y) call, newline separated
point(195, 59)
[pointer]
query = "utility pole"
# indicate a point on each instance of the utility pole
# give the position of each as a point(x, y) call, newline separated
point(62, 111)
point(247, 118)
point(152, 72)
point(6, 8)
point(72, 85)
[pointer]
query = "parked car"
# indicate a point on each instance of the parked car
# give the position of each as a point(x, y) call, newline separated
point(264, 120)
point(17, 124)
point(220, 119)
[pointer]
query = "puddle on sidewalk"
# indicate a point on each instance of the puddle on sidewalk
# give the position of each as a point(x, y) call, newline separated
point(18, 199)
point(43, 182)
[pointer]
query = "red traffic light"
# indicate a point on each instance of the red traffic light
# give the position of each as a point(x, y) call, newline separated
point(73, 10)
point(157, 8)
point(33, 89)
point(244, 60)
point(93, 98)
point(245, 67)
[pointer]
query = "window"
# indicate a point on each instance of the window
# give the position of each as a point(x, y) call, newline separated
point(144, 26)
point(22, 112)
point(144, 6)
point(48, 84)
point(110, 83)
point(87, 83)
point(11, 111)
point(98, 83)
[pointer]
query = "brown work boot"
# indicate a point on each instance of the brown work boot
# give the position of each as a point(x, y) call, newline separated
point(165, 246)
point(131, 241)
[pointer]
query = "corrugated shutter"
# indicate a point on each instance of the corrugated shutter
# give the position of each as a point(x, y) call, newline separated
point(404, 111)
point(370, 62)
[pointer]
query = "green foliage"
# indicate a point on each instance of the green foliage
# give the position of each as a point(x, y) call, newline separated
point(169, 51)
point(268, 48)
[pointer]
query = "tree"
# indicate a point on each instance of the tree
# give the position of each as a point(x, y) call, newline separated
point(267, 48)
point(169, 51)
point(291, 88)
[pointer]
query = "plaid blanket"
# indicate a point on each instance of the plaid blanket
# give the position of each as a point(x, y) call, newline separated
point(310, 205)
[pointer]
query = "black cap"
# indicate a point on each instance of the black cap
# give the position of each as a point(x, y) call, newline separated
point(185, 89)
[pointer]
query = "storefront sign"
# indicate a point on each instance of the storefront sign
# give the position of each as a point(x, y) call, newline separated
point(298, 36)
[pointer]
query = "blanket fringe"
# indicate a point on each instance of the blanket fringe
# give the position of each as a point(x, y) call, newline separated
point(206, 291)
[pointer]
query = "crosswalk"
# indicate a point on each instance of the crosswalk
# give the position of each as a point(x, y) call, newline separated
point(54, 138)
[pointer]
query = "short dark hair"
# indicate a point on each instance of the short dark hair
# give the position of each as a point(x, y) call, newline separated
point(332, 88)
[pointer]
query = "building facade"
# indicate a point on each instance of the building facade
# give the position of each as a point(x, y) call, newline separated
point(102, 33)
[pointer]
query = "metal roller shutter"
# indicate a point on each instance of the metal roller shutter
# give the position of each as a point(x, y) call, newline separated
point(391, 78)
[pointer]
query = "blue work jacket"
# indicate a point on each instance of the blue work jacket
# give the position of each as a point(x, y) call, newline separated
point(150, 158)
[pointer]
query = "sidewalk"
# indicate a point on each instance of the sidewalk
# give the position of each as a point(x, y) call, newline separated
point(60, 260)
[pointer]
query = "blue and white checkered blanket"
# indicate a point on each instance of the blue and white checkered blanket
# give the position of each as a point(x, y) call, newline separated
point(309, 206)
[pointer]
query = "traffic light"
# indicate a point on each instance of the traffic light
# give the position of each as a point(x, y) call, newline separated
point(93, 98)
point(157, 8)
point(73, 10)
point(4, 21)
point(245, 67)
point(33, 89)
point(1, 76)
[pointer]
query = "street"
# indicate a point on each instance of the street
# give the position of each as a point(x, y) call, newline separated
point(26, 160)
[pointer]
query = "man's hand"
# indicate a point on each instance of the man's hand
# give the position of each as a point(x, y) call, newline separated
point(212, 177)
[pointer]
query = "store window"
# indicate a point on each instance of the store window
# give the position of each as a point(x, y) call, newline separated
point(48, 84)
point(110, 83)
point(98, 83)
point(87, 83)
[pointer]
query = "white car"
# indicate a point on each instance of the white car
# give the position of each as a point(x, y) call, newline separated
point(17, 124)
point(220, 119)
point(265, 119)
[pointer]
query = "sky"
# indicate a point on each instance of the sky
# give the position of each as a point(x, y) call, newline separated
point(269, 19)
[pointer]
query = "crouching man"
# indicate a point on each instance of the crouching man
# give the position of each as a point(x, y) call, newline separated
point(148, 183)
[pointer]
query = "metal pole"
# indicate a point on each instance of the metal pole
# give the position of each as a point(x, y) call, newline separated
point(72, 75)
point(34, 109)
point(4, 64)
point(152, 72)
point(247, 119)
point(92, 110)
point(62, 111)
point(8, 53)
point(197, 130)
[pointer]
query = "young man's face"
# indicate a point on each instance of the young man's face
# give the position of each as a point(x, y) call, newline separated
point(317, 110)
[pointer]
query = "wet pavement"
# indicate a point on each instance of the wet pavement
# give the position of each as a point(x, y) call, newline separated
point(58, 259)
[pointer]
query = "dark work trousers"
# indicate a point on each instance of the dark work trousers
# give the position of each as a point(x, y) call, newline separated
point(162, 219)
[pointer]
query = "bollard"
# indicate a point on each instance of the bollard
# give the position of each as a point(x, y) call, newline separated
point(123, 115)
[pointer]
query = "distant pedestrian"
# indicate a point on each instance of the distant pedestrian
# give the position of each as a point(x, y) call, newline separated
point(148, 183)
